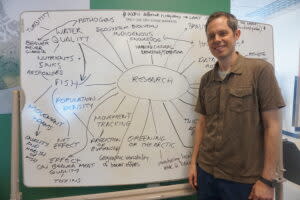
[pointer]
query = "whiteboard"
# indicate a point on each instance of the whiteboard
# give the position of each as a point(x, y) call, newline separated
point(110, 94)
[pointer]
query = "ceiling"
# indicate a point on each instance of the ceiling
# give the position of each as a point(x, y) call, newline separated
point(258, 10)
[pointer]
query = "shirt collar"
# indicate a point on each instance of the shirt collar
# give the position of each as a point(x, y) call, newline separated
point(237, 68)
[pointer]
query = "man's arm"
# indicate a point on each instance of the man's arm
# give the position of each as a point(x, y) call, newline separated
point(199, 130)
point(272, 128)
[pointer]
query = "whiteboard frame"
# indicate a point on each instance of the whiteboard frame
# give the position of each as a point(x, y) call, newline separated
point(160, 192)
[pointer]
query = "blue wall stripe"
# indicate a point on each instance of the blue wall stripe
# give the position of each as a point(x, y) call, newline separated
point(294, 135)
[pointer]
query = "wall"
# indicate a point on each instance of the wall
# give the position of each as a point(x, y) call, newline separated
point(287, 64)
point(189, 6)
point(16, 7)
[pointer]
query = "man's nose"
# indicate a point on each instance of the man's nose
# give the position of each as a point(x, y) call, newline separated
point(217, 38)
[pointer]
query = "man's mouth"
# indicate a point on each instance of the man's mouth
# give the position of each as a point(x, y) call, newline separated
point(219, 48)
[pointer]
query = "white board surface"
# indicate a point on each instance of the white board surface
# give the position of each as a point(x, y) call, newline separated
point(110, 94)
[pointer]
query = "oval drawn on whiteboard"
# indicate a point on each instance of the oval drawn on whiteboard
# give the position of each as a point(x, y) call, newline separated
point(153, 82)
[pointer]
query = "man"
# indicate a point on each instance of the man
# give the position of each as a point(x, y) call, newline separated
point(236, 143)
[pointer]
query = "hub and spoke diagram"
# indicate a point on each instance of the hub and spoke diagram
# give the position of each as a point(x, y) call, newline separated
point(110, 95)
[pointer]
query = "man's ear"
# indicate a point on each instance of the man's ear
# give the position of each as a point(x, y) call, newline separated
point(237, 34)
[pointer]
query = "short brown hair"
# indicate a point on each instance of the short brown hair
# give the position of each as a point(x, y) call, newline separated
point(232, 22)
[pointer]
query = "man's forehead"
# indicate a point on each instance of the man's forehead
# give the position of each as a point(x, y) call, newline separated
point(220, 22)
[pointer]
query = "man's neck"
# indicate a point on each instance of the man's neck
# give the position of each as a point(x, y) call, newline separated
point(225, 64)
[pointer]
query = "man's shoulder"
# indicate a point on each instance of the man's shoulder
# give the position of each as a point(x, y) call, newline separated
point(207, 76)
point(208, 73)
point(256, 64)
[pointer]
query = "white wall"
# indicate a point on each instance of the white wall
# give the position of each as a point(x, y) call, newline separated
point(286, 46)
point(286, 49)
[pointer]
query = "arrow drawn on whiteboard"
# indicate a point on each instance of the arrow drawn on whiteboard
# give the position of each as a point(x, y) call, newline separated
point(194, 88)
point(113, 49)
point(43, 94)
point(176, 109)
point(84, 80)
point(151, 108)
point(68, 124)
point(187, 67)
point(130, 52)
point(103, 56)
point(175, 127)
point(56, 48)
point(83, 76)
point(192, 94)
point(175, 43)
point(107, 93)
point(84, 124)
point(168, 38)
point(152, 62)
point(149, 103)
point(128, 126)
point(184, 57)
point(75, 21)
point(45, 28)
point(186, 103)
point(37, 132)
point(44, 77)
point(101, 84)
point(120, 104)
point(86, 135)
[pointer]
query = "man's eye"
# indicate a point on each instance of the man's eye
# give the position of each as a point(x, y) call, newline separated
point(211, 37)
point(223, 33)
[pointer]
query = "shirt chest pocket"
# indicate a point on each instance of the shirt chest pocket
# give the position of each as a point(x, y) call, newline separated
point(240, 99)
point(211, 101)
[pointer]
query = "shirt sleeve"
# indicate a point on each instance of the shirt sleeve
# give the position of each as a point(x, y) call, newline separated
point(269, 95)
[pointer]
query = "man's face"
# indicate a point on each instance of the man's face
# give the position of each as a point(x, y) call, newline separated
point(221, 39)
